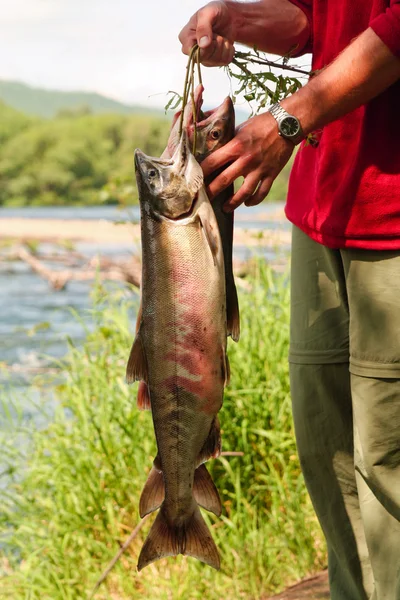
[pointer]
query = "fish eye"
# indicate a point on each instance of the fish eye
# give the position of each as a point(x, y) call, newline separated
point(215, 133)
point(151, 172)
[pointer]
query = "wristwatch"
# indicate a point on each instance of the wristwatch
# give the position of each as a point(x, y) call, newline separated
point(288, 125)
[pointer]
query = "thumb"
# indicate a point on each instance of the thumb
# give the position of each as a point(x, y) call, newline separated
point(204, 27)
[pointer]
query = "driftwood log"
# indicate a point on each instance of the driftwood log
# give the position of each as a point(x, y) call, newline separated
point(78, 268)
point(128, 271)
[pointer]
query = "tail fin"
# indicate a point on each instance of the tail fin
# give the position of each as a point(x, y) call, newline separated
point(193, 538)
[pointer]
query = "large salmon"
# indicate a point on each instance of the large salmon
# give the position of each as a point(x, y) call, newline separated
point(214, 129)
point(179, 353)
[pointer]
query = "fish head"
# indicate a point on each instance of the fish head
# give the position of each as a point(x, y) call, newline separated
point(215, 129)
point(168, 187)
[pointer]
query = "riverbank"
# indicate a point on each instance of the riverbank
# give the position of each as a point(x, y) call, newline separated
point(108, 232)
point(78, 483)
point(312, 588)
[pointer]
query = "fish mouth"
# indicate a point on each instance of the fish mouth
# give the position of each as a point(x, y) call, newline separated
point(223, 117)
point(170, 185)
point(178, 161)
point(183, 169)
point(140, 158)
point(198, 102)
point(224, 111)
point(181, 155)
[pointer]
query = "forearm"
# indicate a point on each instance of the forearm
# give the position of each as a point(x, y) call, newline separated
point(275, 26)
point(364, 70)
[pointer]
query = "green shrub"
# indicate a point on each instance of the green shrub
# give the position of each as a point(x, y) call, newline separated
point(74, 484)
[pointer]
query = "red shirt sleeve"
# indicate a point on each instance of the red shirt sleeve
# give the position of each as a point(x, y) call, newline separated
point(306, 7)
point(387, 27)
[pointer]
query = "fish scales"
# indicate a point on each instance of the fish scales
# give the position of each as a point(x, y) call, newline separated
point(179, 353)
point(183, 320)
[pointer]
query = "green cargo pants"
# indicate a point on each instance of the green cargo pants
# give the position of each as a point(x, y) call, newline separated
point(345, 383)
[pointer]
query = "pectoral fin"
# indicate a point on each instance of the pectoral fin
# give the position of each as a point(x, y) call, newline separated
point(136, 369)
point(211, 237)
point(139, 316)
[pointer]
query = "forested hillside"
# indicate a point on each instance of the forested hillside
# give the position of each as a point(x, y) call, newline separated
point(48, 103)
point(79, 158)
point(74, 158)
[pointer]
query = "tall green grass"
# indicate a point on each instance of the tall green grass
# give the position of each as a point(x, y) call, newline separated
point(76, 482)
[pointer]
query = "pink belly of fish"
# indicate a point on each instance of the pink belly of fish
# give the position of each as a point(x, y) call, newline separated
point(186, 363)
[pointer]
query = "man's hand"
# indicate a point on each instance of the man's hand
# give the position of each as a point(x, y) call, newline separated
point(272, 26)
point(258, 153)
point(211, 28)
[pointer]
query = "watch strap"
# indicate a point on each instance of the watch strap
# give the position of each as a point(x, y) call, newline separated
point(279, 113)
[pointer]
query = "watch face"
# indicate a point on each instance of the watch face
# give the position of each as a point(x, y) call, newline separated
point(289, 126)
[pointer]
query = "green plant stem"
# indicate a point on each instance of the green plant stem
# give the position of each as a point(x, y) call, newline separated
point(269, 63)
point(187, 84)
point(251, 76)
point(120, 552)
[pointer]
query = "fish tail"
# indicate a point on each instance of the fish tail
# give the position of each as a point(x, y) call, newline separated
point(193, 538)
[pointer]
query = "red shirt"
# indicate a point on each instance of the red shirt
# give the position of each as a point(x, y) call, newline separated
point(346, 192)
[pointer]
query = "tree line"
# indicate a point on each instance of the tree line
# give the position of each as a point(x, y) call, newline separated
point(76, 158)
point(79, 158)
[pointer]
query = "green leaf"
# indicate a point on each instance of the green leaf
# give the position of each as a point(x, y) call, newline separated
point(173, 102)
point(269, 76)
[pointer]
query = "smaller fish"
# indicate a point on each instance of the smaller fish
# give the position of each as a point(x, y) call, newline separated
point(214, 129)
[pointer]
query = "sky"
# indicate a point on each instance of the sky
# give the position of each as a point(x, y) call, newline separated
point(126, 49)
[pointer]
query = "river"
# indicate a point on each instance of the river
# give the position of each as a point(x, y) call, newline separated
point(35, 320)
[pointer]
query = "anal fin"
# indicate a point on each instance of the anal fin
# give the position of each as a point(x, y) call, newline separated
point(153, 492)
point(204, 491)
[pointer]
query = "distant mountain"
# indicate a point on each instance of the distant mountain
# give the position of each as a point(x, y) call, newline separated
point(47, 103)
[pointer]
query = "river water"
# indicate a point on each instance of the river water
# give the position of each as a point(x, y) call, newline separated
point(35, 320)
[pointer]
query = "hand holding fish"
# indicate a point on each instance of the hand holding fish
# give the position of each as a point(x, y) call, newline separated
point(258, 153)
point(211, 28)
